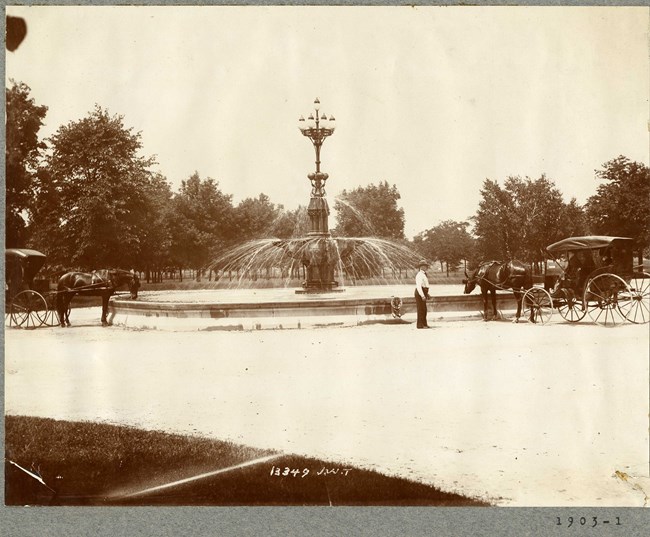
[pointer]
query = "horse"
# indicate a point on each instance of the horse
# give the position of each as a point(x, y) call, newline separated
point(102, 283)
point(493, 275)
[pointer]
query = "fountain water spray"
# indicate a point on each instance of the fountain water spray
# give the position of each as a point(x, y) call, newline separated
point(320, 257)
point(371, 259)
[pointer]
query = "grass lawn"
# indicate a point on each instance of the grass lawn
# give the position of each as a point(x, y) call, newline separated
point(82, 463)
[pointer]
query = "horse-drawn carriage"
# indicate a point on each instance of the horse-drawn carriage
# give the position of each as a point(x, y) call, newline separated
point(598, 278)
point(30, 302)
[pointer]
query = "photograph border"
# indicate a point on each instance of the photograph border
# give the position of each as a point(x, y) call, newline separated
point(307, 521)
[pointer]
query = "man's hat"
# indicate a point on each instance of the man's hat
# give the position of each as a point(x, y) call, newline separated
point(423, 263)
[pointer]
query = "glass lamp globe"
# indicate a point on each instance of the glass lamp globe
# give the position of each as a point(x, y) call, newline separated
point(324, 123)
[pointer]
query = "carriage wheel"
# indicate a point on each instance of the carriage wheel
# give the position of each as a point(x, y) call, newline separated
point(570, 308)
point(637, 308)
point(28, 309)
point(606, 297)
point(537, 305)
point(52, 316)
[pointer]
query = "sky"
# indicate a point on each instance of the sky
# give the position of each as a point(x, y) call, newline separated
point(431, 99)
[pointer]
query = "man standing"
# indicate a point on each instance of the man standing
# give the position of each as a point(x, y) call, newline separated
point(422, 294)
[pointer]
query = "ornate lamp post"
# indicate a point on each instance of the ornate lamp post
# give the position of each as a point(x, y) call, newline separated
point(317, 129)
point(319, 257)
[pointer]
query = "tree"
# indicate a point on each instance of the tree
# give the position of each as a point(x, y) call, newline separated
point(520, 219)
point(100, 184)
point(45, 229)
point(23, 149)
point(495, 223)
point(202, 222)
point(155, 238)
point(370, 211)
point(291, 224)
point(449, 242)
point(255, 217)
point(620, 206)
point(573, 220)
point(539, 210)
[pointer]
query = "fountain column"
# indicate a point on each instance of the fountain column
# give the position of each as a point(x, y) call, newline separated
point(319, 258)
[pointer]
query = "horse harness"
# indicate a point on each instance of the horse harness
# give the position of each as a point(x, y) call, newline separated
point(96, 279)
point(502, 275)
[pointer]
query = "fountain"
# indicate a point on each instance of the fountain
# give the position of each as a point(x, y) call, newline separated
point(321, 257)
point(319, 254)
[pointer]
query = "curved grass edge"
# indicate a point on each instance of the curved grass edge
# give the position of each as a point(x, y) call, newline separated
point(54, 462)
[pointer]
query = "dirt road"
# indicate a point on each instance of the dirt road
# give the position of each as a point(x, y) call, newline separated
point(516, 414)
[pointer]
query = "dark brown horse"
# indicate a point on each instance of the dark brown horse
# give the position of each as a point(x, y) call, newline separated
point(493, 275)
point(102, 283)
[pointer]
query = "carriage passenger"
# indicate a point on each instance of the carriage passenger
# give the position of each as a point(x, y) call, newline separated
point(573, 269)
point(622, 260)
point(605, 257)
point(574, 265)
point(571, 277)
point(587, 267)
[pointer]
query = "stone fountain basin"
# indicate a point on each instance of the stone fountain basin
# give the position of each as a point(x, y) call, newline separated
point(282, 308)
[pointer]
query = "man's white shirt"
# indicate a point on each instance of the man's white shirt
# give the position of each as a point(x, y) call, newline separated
point(420, 282)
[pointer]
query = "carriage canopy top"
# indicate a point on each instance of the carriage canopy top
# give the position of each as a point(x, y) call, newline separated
point(31, 260)
point(23, 253)
point(590, 242)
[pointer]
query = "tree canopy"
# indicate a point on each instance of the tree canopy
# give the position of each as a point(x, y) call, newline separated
point(370, 211)
point(449, 242)
point(256, 217)
point(155, 235)
point(88, 198)
point(23, 149)
point(202, 222)
point(291, 224)
point(620, 205)
point(524, 216)
point(97, 187)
